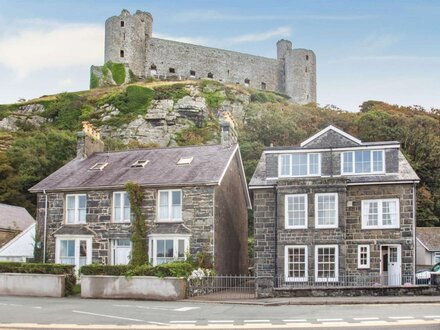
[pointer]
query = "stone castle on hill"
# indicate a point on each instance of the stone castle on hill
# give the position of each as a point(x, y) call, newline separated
point(129, 41)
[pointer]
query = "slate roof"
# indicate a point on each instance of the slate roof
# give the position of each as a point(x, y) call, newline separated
point(207, 167)
point(74, 230)
point(14, 217)
point(429, 237)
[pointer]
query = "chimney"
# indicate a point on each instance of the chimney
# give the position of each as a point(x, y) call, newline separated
point(227, 130)
point(88, 141)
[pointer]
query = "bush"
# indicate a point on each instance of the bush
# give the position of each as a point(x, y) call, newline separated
point(134, 100)
point(117, 70)
point(172, 269)
point(39, 268)
point(174, 92)
point(94, 81)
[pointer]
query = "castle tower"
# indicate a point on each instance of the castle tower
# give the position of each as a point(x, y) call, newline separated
point(125, 39)
point(297, 72)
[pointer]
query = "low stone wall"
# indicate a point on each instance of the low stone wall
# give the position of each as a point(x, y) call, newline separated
point(419, 290)
point(137, 287)
point(36, 285)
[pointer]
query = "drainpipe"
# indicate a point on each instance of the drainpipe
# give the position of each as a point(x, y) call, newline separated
point(276, 235)
point(414, 232)
point(45, 226)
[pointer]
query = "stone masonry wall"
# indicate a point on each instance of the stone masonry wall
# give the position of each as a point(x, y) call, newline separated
point(197, 213)
point(264, 202)
point(377, 237)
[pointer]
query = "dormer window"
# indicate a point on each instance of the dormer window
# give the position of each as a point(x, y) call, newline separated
point(299, 165)
point(363, 162)
point(185, 160)
point(140, 163)
point(98, 166)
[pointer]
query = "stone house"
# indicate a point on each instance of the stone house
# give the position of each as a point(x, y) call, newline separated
point(427, 247)
point(196, 200)
point(13, 221)
point(334, 209)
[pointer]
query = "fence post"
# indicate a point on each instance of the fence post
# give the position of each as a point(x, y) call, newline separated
point(264, 287)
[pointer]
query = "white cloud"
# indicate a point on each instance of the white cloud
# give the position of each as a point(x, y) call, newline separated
point(283, 31)
point(67, 82)
point(392, 58)
point(51, 46)
point(189, 40)
point(214, 15)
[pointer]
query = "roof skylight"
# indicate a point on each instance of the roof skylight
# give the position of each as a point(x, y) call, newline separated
point(185, 160)
point(98, 166)
point(140, 163)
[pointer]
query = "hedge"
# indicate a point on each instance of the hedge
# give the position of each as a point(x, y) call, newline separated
point(40, 268)
point(173, 269)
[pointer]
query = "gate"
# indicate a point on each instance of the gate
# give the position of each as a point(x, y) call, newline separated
point(223, 287)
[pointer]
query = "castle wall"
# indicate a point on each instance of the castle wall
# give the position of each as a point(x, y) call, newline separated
point(226, 66)
point(300, 76)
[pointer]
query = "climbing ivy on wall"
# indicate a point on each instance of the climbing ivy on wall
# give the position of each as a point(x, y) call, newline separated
point(117, 70)
point(139, 254)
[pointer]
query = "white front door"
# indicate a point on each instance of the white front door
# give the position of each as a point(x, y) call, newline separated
point(394, 265)
point(121, 251)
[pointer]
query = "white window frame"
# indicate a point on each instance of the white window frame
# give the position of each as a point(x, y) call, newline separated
point(114, 247)
point(76, 209)
point(327, 279)
point(336, 224)
point(436, 258)
point(152, 239)
point(121, 206)
point(353, 162)
point(77, 239)
point(367, 259)
point(290, 165)
point(364, 213)
point(170, 208)
point(286, 212)
point(286, 264)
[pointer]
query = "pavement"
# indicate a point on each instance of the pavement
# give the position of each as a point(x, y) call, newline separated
point(303, 301)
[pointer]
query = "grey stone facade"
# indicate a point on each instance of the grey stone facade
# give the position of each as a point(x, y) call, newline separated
point(271, 235)
point(128, 40)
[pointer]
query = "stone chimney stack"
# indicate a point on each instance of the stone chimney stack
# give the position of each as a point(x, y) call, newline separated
point(88, 141)
point(227, 130)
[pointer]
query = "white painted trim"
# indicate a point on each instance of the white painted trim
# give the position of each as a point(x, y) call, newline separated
point(170, 209)
point(152, 243)
point(336, 149)
point(306, 261)
point(426, 248)
point(399, 252)
point(286, 219)
point(76, 209)
point(367, 266)
point(16, 238)
point(377, 182)
point(318, 226)
point(227, 165)
point(290, 175)
point(328, 128)
point(113, 220)
point(380, 215)
point(76, 238)
point(353, 163)
point(333, 279)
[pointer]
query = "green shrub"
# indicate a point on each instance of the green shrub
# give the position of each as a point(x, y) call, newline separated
point(117, 70)
point(98, 269)
point(134, 100)
point(172, 269)
point(94, 81)
point(38, 268)
point(65, 110)
point(174, 92)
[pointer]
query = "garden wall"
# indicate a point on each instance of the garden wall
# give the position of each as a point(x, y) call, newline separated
point(37, 285)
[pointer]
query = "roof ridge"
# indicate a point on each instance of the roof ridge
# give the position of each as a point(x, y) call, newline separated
point(164, 148)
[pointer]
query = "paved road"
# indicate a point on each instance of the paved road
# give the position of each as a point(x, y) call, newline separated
point(24, 312)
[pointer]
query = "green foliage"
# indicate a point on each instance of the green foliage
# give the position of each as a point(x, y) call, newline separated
point(39, 268)
point(174, 92)
point(133, 77)
point(117, 70)
point(139, 227)
point(213, 92)
point(172, 269)
point(65, 111)
point(94, 81)
point(135, 100)
point(194, 135)
point(267, 97)
point(32, 156)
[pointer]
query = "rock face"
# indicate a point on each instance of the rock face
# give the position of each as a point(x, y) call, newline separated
point(26, 115)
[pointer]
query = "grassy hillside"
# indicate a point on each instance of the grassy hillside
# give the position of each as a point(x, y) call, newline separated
point(31, 152)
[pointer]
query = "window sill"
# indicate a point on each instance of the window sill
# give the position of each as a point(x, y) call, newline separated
point(169, 221)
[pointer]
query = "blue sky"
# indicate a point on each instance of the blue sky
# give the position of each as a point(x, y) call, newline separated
point(381, 50)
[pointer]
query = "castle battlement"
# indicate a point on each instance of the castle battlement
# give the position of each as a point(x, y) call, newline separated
point(128, 40)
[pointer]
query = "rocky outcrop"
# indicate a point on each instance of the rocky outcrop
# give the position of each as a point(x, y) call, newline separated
point(26, 115)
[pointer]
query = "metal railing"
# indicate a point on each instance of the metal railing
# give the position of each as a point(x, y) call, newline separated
point(222, 287)
point(345, 280)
